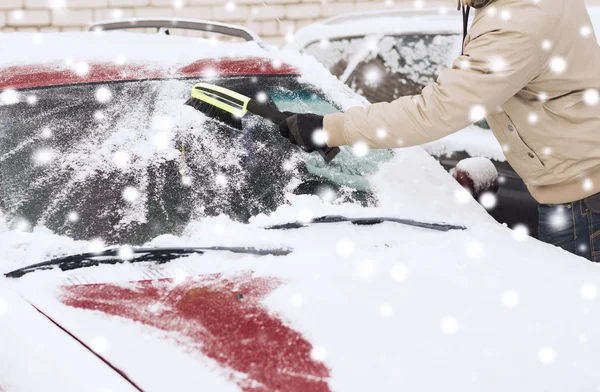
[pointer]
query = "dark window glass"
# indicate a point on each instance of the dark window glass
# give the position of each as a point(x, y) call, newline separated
point(128, 161)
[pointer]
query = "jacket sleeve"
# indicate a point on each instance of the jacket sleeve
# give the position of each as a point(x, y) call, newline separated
point(496, 65)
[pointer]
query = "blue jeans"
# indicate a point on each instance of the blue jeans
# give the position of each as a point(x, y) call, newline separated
point(575, 226)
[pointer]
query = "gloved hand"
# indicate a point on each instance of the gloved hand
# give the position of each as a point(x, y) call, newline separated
point(300, 130)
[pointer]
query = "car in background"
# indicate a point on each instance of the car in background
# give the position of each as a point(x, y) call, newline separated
point(384, 55)
point(239, 262)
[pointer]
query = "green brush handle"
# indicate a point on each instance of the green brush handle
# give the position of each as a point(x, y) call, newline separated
point(274, 115)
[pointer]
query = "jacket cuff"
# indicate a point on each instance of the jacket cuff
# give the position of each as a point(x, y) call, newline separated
point(333, 124)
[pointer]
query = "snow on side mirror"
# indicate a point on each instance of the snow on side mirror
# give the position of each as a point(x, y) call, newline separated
point(478, 176)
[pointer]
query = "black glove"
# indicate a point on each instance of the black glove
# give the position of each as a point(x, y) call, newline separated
point(300, 129)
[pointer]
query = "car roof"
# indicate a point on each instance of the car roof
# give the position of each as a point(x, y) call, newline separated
point(37, 60)
point(402, 21)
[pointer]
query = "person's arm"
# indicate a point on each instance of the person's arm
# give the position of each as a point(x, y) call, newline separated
point(496, 65)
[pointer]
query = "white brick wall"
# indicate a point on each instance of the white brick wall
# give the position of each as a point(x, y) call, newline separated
point(272, 22)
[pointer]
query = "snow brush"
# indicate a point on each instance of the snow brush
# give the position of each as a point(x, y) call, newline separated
point(229, 107)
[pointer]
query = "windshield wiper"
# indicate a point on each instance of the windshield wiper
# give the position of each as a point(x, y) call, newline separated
point(366, 221)
point(157, 255)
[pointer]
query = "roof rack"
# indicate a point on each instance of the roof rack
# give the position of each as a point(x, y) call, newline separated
point(163, 24)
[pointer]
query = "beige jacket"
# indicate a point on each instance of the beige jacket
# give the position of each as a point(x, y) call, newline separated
point(533, 68)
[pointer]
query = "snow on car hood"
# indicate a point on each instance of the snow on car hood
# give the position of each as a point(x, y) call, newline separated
point(481, 308)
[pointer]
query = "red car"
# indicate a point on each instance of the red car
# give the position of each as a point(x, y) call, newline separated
point(236, 261)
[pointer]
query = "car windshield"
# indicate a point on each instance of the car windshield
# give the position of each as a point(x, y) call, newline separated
point(127, 161)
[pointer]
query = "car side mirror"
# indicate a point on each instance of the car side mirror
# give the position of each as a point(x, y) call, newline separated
point(477, 175)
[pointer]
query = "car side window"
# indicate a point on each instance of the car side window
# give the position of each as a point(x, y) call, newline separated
point(336, 54)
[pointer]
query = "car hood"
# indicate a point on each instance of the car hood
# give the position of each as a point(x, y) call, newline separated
point(351, 308)
point(476, 307)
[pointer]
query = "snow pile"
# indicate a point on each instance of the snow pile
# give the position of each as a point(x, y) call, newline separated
point(475, 141)
point(481, 170)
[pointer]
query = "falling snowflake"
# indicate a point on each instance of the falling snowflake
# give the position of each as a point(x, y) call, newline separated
point(386, 310)
point(324, 43)
point(221, 180)
point(546, 44)
point(366, 269)
point(305, 215)
point(588, 185)
point(585, 31)
point(381, 133)
point(3, 306)
point(510, 299)
point(99, 344)
point(58, 4)
point(126, 252)
point(583, 339)
point(47, 132)
point(327, 195)
point(345, 248)
point(22, 225)
point(448, 325)
point(43, 156)
point(533, 118)
point(230, 6)
point(591, 97)
point(103, 95)
point(219, 229)
point(96, 245)
point(488, 200)
point(419, 4)
point(372, 76)
point(179, 275)
point(520, 232)
point(492, 11)
point(32, 100)
point(9, 97)
point(162, 140)
point(360, 149)
point(399, 272)
point(318, 353)
point(498, 64)
point(82, 68)
point(477, 113)
point(120, 59)
point(116, 13)
point(505, 15)
point(547, 151)
point(18, 14)
point(186, 180)
point(297, 300)
point(130, 194)
point(262, 97)
point(547, 355)
point(465, 64)
point(121, 159)
point(589, 291)
point(462, 196)
point(73, 216)
point(320, 137)
point(474, 250)
point(99, 115)
point(178, 4)
point(558, 64)
point(558, 218)
point(542, 97)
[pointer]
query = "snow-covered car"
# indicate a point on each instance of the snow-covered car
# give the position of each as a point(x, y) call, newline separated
point(384, 55)
point(390, 278)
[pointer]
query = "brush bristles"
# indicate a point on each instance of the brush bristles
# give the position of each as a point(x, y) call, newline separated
point(215, 113)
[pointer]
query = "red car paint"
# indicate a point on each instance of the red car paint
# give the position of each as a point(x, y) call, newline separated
point(225, 319)
point(20, 77)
